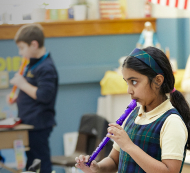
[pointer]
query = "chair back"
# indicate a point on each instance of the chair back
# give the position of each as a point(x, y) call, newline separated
point(92, 129)
point(36, 165)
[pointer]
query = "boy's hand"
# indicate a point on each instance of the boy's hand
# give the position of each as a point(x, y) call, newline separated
point(94, 167)
point(18, 80)
point(13, 100)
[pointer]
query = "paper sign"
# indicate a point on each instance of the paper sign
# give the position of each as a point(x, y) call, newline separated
point(19, 154)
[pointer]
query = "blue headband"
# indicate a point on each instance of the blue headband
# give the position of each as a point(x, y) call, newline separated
point(147, 59)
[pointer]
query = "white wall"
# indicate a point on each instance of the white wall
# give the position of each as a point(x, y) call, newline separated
point(134, 8)
point(160, 11)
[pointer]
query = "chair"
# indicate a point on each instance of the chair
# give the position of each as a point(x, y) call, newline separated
point(36, 165)
point(92, 129)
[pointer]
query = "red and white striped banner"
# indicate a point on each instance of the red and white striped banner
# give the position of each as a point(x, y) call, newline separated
point(181, 4)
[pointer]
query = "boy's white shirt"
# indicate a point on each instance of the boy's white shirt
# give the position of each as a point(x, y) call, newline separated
point(173, 134)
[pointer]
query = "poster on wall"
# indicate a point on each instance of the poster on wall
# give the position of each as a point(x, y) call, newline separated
point(113, 9)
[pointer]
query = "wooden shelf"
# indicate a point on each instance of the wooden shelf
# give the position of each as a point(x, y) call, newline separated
point(83, 28)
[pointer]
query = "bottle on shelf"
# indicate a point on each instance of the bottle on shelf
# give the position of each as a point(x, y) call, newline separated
point(147, 9)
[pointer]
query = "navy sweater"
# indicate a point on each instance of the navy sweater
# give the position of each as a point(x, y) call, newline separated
point(40, 112)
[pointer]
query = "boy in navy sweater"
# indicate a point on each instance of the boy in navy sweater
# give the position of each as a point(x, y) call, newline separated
point(37, 95)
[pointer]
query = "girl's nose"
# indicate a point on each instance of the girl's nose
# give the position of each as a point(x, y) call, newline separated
point(129, 90)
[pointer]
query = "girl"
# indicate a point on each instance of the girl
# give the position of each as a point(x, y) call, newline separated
point(154, 137)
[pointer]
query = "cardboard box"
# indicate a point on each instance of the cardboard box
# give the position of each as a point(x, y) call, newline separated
point(7, 138)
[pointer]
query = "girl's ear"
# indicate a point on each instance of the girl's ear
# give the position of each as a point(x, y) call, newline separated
point(158, 80)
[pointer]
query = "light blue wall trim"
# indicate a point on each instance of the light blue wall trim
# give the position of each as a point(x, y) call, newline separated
point(83, 74)
point(174, 33)
point(8, 48)
point(91, 50)
point(186, 37)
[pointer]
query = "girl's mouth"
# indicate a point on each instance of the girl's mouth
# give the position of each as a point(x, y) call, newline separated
point(134, 99)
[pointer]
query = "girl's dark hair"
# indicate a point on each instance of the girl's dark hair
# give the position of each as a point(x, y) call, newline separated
point(176, 98)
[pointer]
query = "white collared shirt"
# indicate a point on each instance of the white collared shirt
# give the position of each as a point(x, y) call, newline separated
point(173, 134)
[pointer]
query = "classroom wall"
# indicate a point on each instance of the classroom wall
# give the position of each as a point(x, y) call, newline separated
point(174, 34)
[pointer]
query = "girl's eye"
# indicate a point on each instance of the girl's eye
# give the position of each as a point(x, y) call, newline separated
point(134, 82)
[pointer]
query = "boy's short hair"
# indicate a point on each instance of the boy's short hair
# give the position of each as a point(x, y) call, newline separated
point(28, 33)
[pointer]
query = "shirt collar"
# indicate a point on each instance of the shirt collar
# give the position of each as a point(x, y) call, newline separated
point(35, 60)
point(163, 107)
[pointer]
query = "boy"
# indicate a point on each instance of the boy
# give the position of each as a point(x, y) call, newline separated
point(37, 95)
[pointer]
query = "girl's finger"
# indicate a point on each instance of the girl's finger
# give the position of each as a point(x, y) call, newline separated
point(115, 125)
point(113, 129)
point(77, 165)
point(110, 136)
point(86, 158)
point(81, 158)
point(77, 159)
point(93, 164)
point(112, 124)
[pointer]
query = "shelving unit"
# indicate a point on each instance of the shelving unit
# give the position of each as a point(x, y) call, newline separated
point(71, 28)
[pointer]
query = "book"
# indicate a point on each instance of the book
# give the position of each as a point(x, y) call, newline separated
point(62, 14)
point(9, 122)
point(54, 14)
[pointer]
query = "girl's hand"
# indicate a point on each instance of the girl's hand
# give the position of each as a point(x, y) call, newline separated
point(18, 80)
point(119, 135)
point(94, 167)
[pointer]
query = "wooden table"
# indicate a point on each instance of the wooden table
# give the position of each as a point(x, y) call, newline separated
point(7, 137)
point(186, 167)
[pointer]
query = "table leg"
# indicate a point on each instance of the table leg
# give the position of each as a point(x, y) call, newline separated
point(9, 169)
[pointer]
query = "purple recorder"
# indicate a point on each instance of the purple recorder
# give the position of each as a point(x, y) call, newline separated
point(120, 121)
